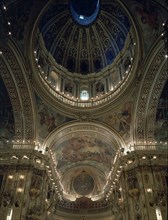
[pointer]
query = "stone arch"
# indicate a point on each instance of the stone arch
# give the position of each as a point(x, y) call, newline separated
point(88, 148)
point(97, 127)
point(14, 74)
point(155, 75)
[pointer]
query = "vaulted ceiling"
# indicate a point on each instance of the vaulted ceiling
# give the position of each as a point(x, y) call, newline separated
point(82, 144)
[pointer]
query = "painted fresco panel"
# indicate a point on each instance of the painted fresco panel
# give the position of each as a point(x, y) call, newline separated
point(48, 119)
point(84, 150)
point(120, 120)
point(149, 18)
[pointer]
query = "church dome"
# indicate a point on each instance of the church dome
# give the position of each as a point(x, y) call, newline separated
point(85, 51)
point(79, 44)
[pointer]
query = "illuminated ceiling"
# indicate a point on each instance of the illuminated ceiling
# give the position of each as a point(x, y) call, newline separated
point(85, 153)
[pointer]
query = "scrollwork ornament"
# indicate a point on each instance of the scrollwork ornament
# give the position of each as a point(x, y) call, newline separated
point(6, 199)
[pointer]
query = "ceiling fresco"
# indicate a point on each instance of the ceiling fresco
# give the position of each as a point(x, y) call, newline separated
point(84, 49)
point(84, 150)
point(120, 119)
point(48, 119)
point(85, 153)
point(90, 48)
point(150, 19)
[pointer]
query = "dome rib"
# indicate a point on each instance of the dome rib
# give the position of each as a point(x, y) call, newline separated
point(100, 46)
point(59, 36)
point(51, 21)
point(62, 36)
point(112, 40)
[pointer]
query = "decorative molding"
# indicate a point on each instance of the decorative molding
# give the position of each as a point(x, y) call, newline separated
point(14, 97)
point(156, 92)
point(147, 103)
point(12, 76)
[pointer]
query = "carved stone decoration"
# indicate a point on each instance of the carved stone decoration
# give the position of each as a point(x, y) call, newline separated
point(145, 101)
point(5, 74)
point(134, 193)
point(83, 203)
point(20, 113)
point(154, 103)
point(6, 199)
point(33, 214)
point(35, 186)
point(133, 186)
point(146, 178)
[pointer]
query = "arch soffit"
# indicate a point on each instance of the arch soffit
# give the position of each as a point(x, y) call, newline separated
point(14, 76)
point(150, 89)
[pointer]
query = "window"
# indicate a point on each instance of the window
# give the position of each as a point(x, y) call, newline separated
point(84, 12)
point(84, 95)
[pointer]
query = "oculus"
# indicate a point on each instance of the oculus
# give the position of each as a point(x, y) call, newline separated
point(84, 12)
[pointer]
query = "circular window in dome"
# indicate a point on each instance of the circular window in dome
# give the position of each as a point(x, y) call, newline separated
point(84, 12)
